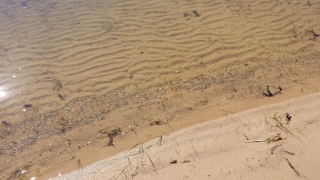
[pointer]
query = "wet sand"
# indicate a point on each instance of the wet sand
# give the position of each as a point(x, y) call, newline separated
point(217, 149)
point(74, 72)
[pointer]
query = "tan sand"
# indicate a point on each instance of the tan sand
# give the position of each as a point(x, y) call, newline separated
point(91, 68)
point(216, 149)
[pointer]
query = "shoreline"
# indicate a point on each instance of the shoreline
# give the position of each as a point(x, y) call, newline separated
point(201, 135)
point(75, 74)
point(95, 151)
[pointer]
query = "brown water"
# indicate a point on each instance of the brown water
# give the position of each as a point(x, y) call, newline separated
point(100, 64)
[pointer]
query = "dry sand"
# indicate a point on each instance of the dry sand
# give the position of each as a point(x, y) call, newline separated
point(216, 149)
point(91, 68)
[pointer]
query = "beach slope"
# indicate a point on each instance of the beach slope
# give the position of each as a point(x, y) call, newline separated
point(219, 149)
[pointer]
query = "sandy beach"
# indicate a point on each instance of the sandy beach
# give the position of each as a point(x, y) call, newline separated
point(217, 149)
point(81, 81)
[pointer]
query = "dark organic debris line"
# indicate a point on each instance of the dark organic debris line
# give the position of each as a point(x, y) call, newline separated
point(274, 148)
point(269, 94)
point(291, 166)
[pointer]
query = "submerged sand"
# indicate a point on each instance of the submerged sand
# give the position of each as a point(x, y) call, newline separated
point(74, 72)
point(217, 149)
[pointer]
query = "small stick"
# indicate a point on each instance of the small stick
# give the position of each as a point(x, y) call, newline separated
point(270, 94)
point(77, 160)
point(195, 150)
point(293, 24)
point(47, 70)
point(133, 147)
point(292, 167)
point(246, 136)
point(173, 162)
point(185, 161)
point(110, 143)
point(258, 140)
point(154, 167)
point(290, 153)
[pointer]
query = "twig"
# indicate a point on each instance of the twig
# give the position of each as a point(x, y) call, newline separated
point(157, 122)
point(274, 148)
point(280, 125)
point(258, 140)
point(269, 94)
point(173, 162)
point(291, 166)
point(290, 153)
point(133, 147)
point(110, 143)
point(123, 171)
point(195, 150)
point(185, 161)
point(246, 136)
point(154, 167)
point(293, 24)
point(310, 88)
point(76, 159)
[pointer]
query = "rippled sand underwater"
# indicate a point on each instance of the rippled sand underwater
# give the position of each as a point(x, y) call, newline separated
point(55, 51)
point(126, 63)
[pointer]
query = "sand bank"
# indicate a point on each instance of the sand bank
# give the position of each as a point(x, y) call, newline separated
point(217, 149)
